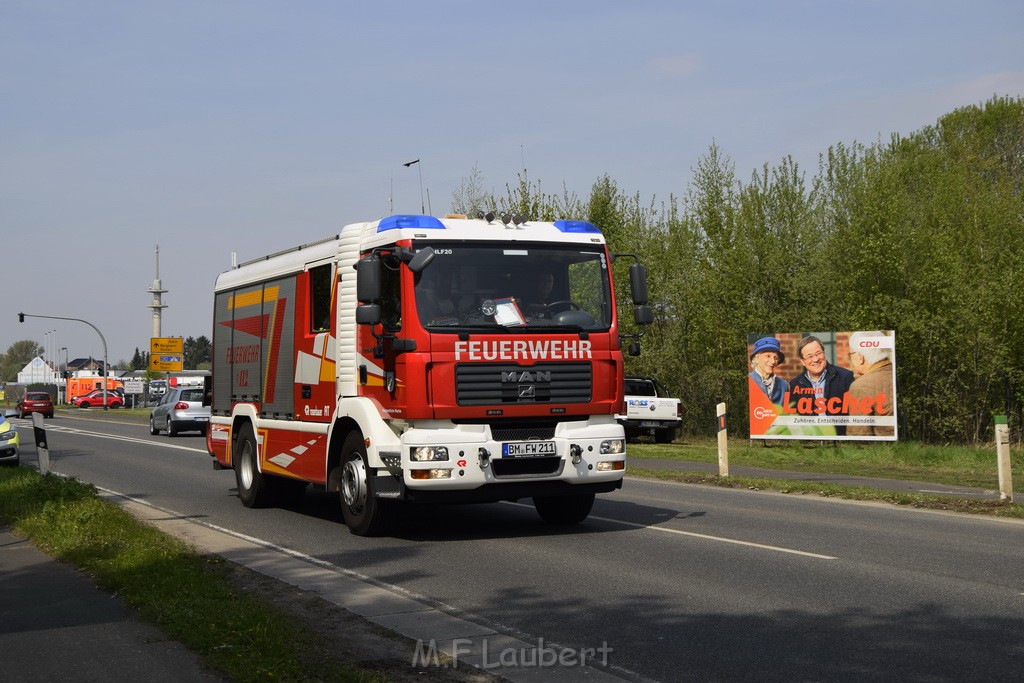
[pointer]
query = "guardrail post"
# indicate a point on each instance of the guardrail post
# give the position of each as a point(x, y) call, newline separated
point(723, 443)
point(42, 450)
point(1003, 458)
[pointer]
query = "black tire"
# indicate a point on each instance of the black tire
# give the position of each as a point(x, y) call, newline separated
point(115, 406)
point(564, 509)
point(171, 430)
point(83, 404)
point(153, 429)
point(667, 435)
point(364, 515)
point(255, 490)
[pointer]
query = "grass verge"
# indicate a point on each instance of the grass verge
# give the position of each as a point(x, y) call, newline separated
point(995, 508)
point(955, 465)
point(190, 597)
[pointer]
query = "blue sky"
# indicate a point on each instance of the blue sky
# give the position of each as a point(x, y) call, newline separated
point(211, 127)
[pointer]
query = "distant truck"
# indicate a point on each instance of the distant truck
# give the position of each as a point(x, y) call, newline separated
point(158, 387)
point(649, 410)
point(80, 386)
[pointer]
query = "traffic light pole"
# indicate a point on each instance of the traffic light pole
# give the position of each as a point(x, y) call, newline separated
point(106, 370)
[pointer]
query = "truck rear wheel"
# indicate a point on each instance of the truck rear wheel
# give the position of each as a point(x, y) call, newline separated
point(255, 490)
point(364, 514)
point(564, 509)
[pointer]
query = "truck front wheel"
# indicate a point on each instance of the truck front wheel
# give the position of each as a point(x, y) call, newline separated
point(564, 509)
point(364, 514)
point(255, 490)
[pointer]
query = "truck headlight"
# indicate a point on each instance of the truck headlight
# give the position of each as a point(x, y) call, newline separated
point(430, 474)
point(428, 453)
point(613, 446)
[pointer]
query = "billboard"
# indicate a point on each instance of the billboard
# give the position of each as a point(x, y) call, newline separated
point(823, 385)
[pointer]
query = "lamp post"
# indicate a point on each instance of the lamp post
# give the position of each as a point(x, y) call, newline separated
point(21, 319)
point(53, 356)
point(46, 349)
point(423, 208)
point(63, 373)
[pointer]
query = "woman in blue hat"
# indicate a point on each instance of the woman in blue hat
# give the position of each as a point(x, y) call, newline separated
point(766, 356)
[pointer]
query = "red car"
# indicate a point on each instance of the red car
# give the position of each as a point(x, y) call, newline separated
point(95, 398)
point(35, 402)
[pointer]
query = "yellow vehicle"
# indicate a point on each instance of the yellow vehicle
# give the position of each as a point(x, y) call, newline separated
point(9, 443)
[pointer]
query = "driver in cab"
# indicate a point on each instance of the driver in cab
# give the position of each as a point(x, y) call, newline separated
point(541, 294)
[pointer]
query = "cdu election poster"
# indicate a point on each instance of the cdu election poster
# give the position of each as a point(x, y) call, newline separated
point(823, 385)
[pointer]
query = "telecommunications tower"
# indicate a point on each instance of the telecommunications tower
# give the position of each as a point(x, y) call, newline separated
point(157, 291)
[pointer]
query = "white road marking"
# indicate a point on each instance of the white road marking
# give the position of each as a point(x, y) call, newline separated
point(706, 537)
point(61, 429)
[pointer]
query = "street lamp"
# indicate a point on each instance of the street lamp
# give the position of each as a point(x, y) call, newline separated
point(62, 375)
point(53, 356)
point(21, 319)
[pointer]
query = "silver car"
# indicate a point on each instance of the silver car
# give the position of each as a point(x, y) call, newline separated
point(180, 409)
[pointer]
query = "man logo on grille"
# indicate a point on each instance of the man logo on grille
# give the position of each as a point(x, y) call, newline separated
point(527, 391)
point(535, 376)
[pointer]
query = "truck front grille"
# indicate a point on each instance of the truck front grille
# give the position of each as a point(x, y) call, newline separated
point(479, 384)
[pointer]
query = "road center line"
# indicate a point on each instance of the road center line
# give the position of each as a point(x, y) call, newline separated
point(61, 429)
point(706, 537)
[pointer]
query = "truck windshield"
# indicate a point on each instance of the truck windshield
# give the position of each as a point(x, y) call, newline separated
point(486, 285)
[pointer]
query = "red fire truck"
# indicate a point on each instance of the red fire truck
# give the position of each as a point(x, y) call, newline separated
point(417, 359)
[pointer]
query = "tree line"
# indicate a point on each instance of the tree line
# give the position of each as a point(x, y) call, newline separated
point(198, 353)
point(922, 234)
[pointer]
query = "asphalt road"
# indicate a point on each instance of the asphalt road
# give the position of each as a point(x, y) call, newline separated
point(681, 582)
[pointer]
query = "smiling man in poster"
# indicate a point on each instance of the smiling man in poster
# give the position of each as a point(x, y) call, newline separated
point(843, 388)
point(872, 366)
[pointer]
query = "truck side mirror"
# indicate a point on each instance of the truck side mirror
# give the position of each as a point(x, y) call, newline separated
point(638, 283)
point(368, 314)
point(368, 280)
point(643, 315)
point(422, 259)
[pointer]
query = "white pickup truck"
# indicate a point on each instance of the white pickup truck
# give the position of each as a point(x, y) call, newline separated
point(650, 410)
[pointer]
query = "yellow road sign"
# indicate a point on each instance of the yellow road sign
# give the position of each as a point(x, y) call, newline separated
point(165, 345)
point(166, 363)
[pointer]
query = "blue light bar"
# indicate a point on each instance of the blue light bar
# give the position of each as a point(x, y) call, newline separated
point(576, 226)
point(409, 221)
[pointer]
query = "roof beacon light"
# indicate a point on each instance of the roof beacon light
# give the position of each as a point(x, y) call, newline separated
point(576, 226)
point(409, 221)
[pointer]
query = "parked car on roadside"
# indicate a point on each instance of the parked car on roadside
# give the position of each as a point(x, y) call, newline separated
point(180, 409)
point(9, 443)
point(35, 402)
point(95, 398)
